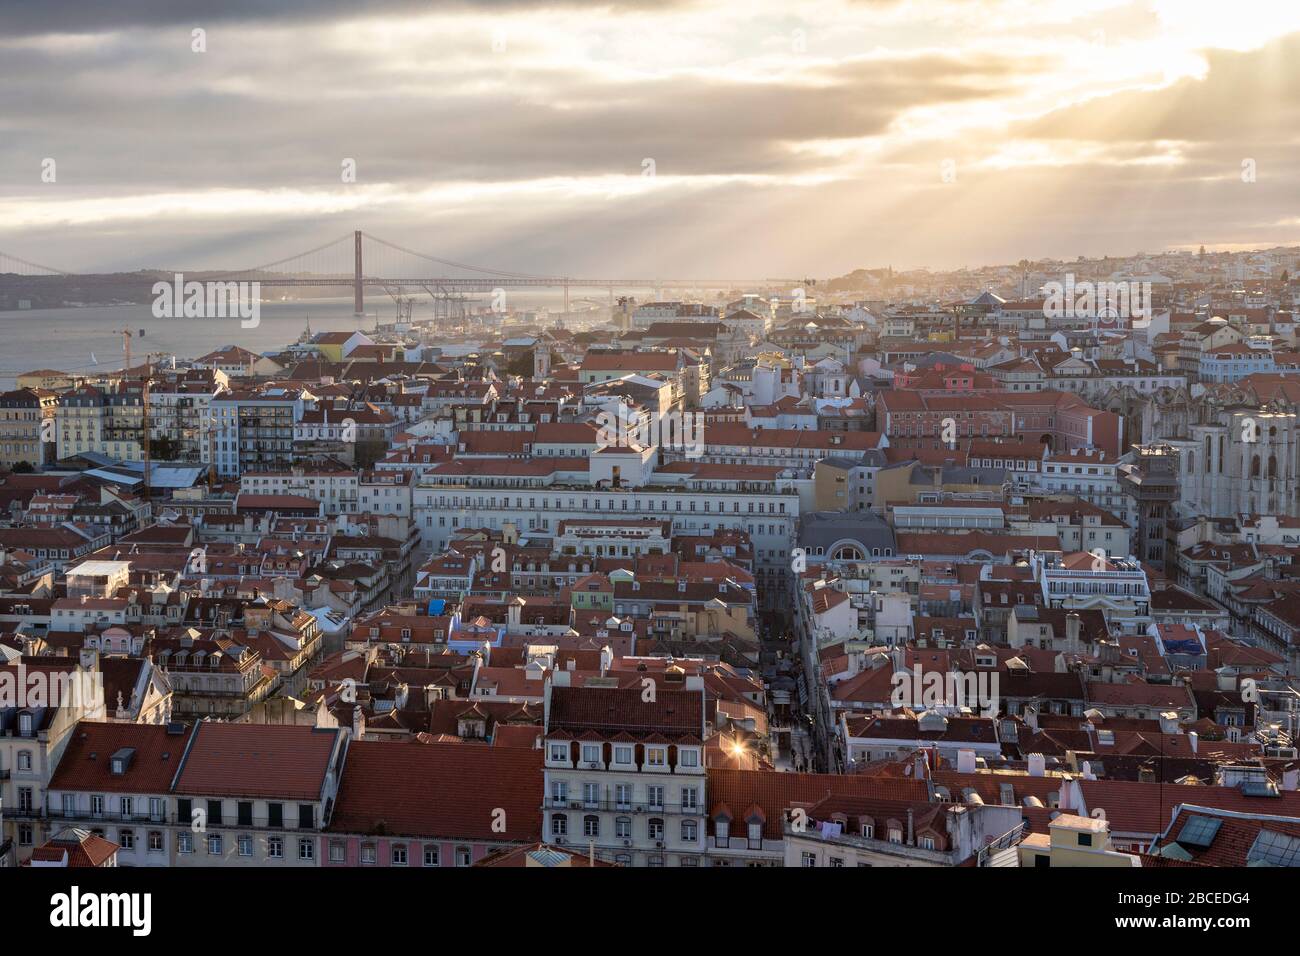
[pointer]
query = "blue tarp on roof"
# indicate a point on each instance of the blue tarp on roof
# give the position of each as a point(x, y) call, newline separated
point(437, 606)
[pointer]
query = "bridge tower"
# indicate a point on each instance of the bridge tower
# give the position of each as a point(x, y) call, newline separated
point(358, 297)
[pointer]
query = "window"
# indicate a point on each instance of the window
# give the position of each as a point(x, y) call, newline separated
point(623, 755)
point(689, 758)
point(96, 805)
point(591, 794)
point(214, 844)
point(275, 848)
point(306, 816)
point(591, 825)
point(656, 828)
point(399, 854)
point(808, 859)
point(462, 856)
point(368, 853)
point(306, 849)
point(1085, 839)
point(245, 843)
point(338, 852)
point(623, 795)
point(895, 835)
point(69, 804)
point(184, 842)
point(623, 827)
point(656, 757)
point(755, 834)
point(126, 838)
point(590, 753)
point(24, 760)
point(690, 830)
point(431, 856)
point(275, 814)
point(155, 808)
point(927, 843)
point(244, 813)
point(690, 799)
point(155, 841)
point(559, 824)
point(559, 753)
point(656, 797)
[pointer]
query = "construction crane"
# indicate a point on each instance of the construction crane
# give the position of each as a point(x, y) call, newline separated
point(127, 335)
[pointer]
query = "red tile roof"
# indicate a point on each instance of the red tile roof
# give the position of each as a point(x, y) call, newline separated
point(771, 794)
point(258, 760)
point(440, 790)
point(86, 761)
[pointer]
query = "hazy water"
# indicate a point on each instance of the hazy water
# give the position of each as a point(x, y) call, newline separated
point(88, 339)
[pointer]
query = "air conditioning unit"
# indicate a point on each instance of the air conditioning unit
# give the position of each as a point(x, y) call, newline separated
point(593, 765)
point(627, 842)
point(659, 844)
point(575, 804)
point(640, 809)
point(559, 839)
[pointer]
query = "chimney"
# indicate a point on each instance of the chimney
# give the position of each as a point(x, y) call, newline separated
point(1193, 740)
point(1037, 765)
point(965, 761)
point(1031, 717)
point(1073, 625)
point(1291, 779)
point(358, 723)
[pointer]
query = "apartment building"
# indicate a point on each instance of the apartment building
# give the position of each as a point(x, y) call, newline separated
point(250, 431)
point(28, 427)
point(624, 769)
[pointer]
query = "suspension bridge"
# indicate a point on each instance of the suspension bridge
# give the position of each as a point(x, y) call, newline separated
point(361, 261)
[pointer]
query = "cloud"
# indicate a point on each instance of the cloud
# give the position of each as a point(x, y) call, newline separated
point(516, 134)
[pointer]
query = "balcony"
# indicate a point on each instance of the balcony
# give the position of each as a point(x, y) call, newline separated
point(578, 805)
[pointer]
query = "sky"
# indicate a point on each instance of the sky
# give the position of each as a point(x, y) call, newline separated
point(658, 138)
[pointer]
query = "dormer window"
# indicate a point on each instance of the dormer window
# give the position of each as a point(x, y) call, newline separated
point(656, 756)
point(24, 725)
point(559, 753)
